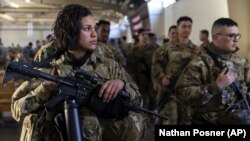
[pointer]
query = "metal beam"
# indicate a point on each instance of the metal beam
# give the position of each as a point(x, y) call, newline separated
point(29, 10)
point(88, 3)
point(49, 9)
point(35, 20)
point(7, 17)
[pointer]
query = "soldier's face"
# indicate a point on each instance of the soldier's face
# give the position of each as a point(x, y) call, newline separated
point(203, 37)
point(184, 29)
point(103, 33)
point(172, 35)
point(227, 39)
point(88, 35)
point(143, 37)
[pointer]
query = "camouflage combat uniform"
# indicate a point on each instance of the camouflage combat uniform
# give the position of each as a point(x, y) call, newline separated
point(27, 106)
point(158, 64)
point(205, 44)
point(175, 55)
point(46, 51)
point(139, 66)
point(112, 52)
point(201, 101)
point(119, 57)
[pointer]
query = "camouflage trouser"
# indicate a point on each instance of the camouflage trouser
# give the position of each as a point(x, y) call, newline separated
point(170, 110)
point(158, 97)
point(131, 128)
point(47, 131)
point(32, 132)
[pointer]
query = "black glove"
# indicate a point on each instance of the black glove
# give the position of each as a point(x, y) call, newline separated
point(116, 108)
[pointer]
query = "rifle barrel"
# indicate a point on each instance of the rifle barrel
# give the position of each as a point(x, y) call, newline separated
point(133, 107)
point(25, 69)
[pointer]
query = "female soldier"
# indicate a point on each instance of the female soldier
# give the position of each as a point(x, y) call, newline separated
point(75, 35)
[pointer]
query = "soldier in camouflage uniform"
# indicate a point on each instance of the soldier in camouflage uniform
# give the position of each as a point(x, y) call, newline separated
point(206, 89)
point(111, 51)
point(152, 41)
point(159, 61)
point(176, 53)
point(79, 53)
point(204, 34)
point(139, 66)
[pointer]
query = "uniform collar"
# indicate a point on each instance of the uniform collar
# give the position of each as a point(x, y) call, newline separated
point(212, 48)
point(95, 57)
point(188, 45)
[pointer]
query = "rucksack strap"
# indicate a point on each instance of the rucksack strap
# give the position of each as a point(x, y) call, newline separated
point(45, 63)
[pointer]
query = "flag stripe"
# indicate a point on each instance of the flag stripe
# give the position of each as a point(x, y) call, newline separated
point(137, 26)
point(136, 19)
point(136, 22)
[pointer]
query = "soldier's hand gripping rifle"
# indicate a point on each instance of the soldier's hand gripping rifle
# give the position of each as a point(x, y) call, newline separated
point(78, 90)
point(82, 87)
point(236, 86)
point(164, 98)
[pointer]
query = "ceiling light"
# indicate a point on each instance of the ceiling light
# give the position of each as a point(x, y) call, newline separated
point(13, 5)
point(7, 17)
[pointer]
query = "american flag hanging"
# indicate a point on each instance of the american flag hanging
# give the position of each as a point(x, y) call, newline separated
point(136, 23)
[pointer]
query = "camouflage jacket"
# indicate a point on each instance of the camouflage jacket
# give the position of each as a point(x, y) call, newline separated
point(205, 44)
point(112, 52)
point(28, 107)
point(174, 55)
point(158, 62)
point(199, 95)
point(119, 57)
point(139, 66)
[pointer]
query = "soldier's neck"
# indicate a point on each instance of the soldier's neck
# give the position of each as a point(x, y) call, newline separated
point(103, 41)
point(78, 54)
point(183, 40)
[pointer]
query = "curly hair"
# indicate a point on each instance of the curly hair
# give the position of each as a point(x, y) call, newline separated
point(67, 26)
point(102, 22)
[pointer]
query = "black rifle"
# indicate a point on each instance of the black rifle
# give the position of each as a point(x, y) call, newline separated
point(172, 81)
point(74, 90)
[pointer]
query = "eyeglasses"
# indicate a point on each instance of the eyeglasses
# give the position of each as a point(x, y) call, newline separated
point(232, 36)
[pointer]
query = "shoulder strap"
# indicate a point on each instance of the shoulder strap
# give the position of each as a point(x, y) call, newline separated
point(193, 51)
point(77, 63)
point(214, 57)
point(186, 61)
point(45, 63)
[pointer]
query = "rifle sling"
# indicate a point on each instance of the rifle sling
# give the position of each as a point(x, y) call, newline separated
point(45, 63)
point(214, 57)
point(165, 97)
